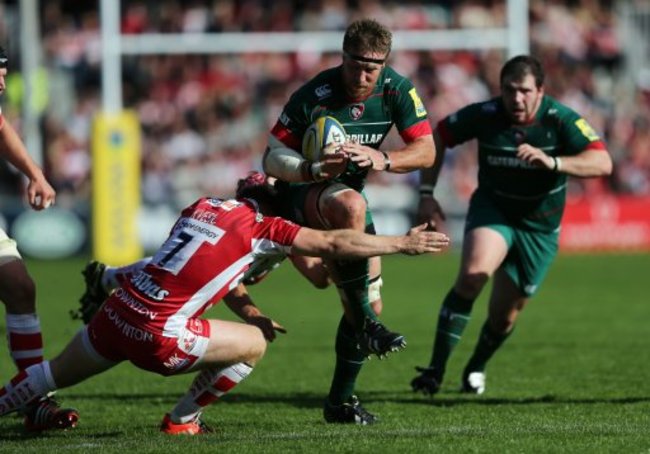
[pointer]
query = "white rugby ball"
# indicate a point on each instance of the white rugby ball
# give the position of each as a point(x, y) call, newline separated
point(319, 134)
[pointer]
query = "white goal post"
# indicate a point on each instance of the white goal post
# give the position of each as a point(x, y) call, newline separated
point(513, 38)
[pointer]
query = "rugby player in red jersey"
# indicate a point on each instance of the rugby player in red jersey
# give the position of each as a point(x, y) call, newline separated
point(154, 318)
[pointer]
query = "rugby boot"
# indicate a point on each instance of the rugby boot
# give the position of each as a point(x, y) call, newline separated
point(473, 383)
point(194, 427)
point(376, 339)
point(94, 294)
point(45, 414)
point(428, 382)
point(350, 412)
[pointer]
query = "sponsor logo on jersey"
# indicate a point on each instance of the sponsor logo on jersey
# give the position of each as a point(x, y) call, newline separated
point(323, 91)
point(420, 111)
point(209, 217)
point(510, 162)
point(364, 139)
point(206, 229)
point(587, 130)
point(175, 362)
point(188, 341)
point(356, 111)
point(520, 136)
point(127, 329)
point(134, 305)
point(144, 283)
point(284, 119)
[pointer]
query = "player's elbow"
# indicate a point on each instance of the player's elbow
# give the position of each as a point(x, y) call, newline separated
point(604, 166)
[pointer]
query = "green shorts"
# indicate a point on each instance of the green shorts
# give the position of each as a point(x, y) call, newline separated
point(530, 253)
point(293, 198)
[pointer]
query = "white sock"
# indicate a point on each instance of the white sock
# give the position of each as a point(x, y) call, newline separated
point(28, 385)
point(207, 387)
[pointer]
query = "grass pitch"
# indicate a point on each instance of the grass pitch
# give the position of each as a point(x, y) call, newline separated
point(574, 377)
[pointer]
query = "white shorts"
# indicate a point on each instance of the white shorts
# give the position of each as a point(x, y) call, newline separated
point(8, 250)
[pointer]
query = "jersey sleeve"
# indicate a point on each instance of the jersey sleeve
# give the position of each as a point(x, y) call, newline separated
point(461, 126)
point(274, 236)
point(409, 112)
point(577, 134)
point(293, 122)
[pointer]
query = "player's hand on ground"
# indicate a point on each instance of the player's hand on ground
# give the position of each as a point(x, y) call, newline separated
point(269, 327)
point(420, 240)
point(40, 194)
point(430, 212)
point(364, 157)
point(535, 156)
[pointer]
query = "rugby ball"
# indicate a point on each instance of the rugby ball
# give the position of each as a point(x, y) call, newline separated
point(319, 134)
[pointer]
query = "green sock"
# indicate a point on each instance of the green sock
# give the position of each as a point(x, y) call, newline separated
point(353, 289)
point(452, 320)
point(488, 343)
point(349, 360)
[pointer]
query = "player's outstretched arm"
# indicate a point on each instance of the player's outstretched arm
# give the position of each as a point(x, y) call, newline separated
point(239, 301)
point(347, 243)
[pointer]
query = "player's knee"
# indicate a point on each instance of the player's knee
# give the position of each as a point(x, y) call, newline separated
point(19, 294)
point(469, 285)
point(257, 349)
point(501, 325)
point(346, 210)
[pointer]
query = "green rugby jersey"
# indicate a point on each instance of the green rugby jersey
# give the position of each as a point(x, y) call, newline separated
point(394, 100)
point(528, 196)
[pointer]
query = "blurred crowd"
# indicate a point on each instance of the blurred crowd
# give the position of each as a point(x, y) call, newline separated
point(205, 118)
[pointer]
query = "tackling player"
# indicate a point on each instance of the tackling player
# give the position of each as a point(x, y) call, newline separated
point(367, 97)
point(100, 279)
point(17, 290)
point(528, 144)
point(153, 319)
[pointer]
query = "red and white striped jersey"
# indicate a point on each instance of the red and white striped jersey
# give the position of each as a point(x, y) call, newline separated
point(206, 254)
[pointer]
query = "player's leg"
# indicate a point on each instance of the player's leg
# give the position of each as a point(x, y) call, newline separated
point(100, 280)
point(483, 251)
point(336, 206)
point(518, 278)
point(506, 301)
point(18, 293)
point(28, 391)
point(232, 351)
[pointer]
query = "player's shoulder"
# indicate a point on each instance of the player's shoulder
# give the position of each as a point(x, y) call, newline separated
point(391, 78)
point(552, 108)
point(489, 109)
point(319, 87)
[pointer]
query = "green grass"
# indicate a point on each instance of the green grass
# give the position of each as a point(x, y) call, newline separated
point(573, 378)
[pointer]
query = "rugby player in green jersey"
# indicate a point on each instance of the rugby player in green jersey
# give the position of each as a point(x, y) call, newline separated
point(367, 97)
point(528, 144)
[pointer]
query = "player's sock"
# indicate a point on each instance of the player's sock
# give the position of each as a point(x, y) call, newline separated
point(27, 386)
point(353, 289)
point(452, 320)
point(488, 343)
point(349, 360)
point(25, 339)
point(114, 276)
point(207, 387)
